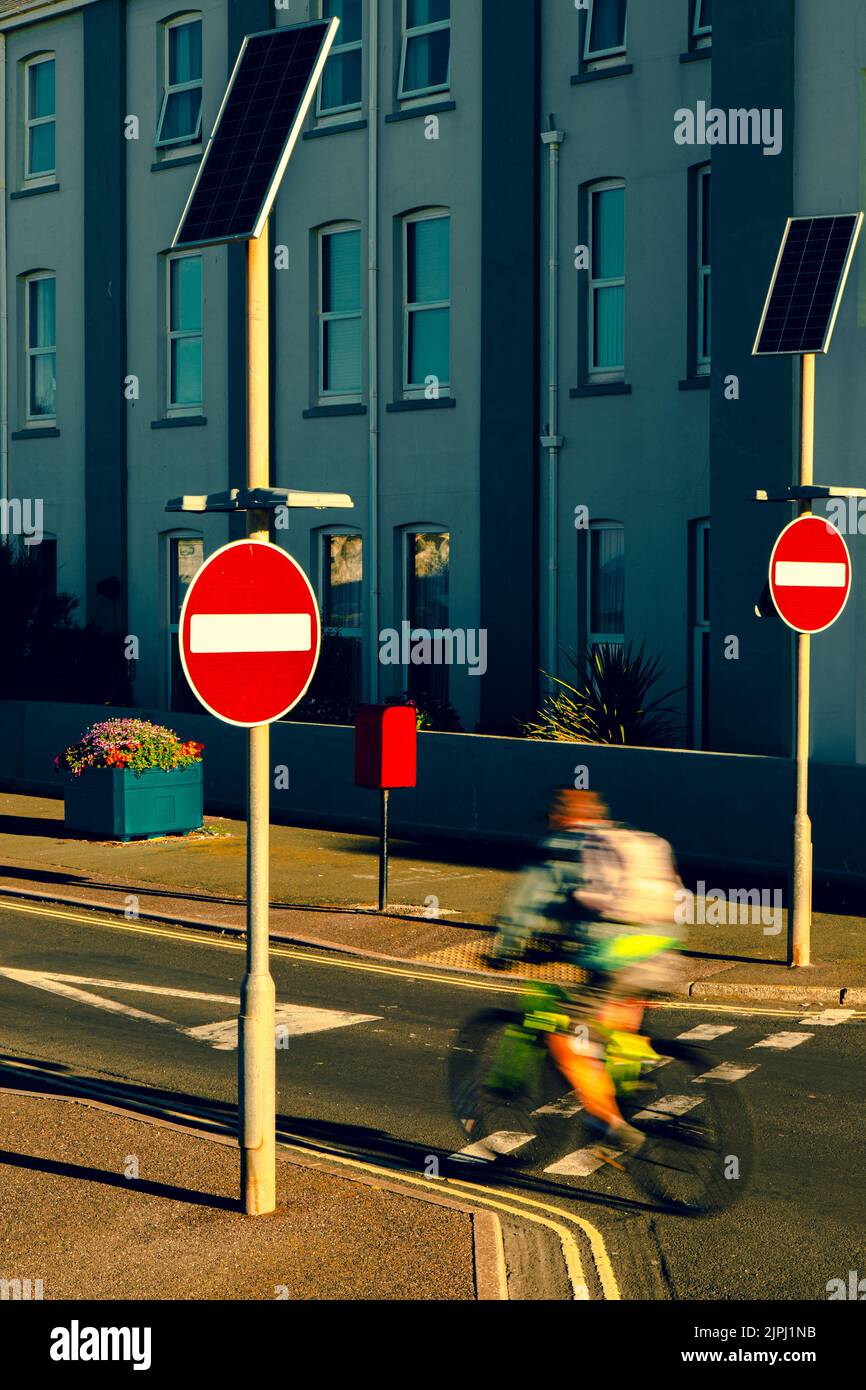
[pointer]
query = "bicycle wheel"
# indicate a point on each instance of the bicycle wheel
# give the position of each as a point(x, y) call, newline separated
point(504, 1122)
point(696, 1158)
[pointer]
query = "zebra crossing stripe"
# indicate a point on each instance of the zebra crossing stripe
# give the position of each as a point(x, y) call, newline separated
point(503, 1141)
point(667, 1106)
point(829, 1018)
point(784, 1041)
point(565, 1108)
point(582, 1163)
point(705, 1032)
point(726, 1071)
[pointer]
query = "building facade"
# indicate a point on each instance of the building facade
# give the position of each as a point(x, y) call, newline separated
point(516, 284)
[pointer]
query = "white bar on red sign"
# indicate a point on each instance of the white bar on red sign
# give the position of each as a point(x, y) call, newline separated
point(810, 574)
point(212, 633)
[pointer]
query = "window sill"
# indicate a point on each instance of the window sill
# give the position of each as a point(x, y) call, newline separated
point(33, 192)
point(37, 432)
point(696, 55)
point(417, 112)
point(597, 74)
point(600, 388)
point(327, 412)
point(338, 128)
point(695, 383)
point(179, 163)
point(443, 403)
point(178, 422)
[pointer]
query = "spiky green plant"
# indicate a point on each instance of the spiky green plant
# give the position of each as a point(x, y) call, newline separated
point(610, 702)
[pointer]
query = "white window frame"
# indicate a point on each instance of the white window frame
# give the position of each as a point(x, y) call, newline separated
point(339, 48)
point(702, 34)
point(700, 629)
point(608, 373)
point(181, 141)
point(324, 561)
point(334, 397)
point(36, 421)
point(173, 624)
point(417, 32)
point(600, 639)
point(603, 54)
point(703, 361)
point(412, 391)
point(171, 335)
point(45, 175)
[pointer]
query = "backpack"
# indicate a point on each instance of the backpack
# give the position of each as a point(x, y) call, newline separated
point(628, 876)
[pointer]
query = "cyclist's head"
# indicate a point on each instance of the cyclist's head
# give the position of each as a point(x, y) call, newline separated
point(572, 808)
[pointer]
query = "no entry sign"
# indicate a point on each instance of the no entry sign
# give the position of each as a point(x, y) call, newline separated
point(810, 574)
point(250, 633)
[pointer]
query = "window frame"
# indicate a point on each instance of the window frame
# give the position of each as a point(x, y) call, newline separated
point(407, 555)
point(168, 90)
point(325, 536)
point(603, 55)
point(416, 32)
point(599, 639)
point(172, 409)
point(172, 538)
point(325, 112)
point(326, 397)
point(701, 35)
point(411, 390)
point(36, 421)
point(596, 374)
point(45, 175)
point(703, 274)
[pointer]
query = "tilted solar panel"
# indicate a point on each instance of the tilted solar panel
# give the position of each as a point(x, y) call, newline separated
point(264, 108)
point(812, 267)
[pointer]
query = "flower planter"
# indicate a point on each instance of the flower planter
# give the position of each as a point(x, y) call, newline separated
point(120, 805)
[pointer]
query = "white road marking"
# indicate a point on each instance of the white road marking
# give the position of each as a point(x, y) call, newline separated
point(296, 1019)
point(582, 1162)
point(829, 1018)
point(212, 633)
point(502, 1141)
point(812, 574)
point(667, 1106)
point(565, 1107)
point(706, 1032)
point(784, 1041)
point(726, 1071)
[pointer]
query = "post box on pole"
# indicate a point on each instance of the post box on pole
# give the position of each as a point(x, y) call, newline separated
point(386, 742)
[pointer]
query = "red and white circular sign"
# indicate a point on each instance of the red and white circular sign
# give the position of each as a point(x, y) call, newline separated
point(250, 633)
point(810, 574)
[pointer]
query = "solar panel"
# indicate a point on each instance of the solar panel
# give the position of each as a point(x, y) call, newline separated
point(812, 267)
point(268, 97)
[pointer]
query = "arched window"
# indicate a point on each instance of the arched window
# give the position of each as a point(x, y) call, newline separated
point(183, 556)
point(427, 302)
point(605, 327)
point(339, 312)
point(605, 584)
point(40, 347)
point(40, 119)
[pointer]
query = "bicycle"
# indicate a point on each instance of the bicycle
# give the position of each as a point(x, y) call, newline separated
point(508, 1097)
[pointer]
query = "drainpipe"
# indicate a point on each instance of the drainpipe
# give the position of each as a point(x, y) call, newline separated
point(552, 441)
point(4, 308)
point(372, 559)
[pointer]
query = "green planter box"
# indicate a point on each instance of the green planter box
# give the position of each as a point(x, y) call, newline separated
point(120, 805)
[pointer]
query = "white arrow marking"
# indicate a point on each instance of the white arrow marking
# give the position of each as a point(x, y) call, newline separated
point(210, 633)
point(296, 1019)
point(810, 574)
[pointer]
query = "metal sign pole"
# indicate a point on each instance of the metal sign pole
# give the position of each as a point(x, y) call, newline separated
point(256, 1044)
point(800, 924)
point(383, 852)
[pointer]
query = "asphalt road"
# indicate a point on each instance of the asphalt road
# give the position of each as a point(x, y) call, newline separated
point(367, 1075)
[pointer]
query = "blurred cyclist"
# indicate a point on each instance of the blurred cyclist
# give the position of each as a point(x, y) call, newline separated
point(600, 897)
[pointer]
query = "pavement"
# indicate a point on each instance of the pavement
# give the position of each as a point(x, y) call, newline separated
point(445, 899)
point(100, 1205)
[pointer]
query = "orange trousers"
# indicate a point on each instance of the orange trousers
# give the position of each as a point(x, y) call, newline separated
point(588, 1076)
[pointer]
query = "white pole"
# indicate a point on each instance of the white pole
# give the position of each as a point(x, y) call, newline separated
point(256, 1026)
point(800, 925)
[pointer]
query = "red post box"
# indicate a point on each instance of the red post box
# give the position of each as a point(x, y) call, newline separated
point(386, 742)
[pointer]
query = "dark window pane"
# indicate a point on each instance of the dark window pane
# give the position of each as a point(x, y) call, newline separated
point(427, 58)
point(607, 581)
point(608, 25)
